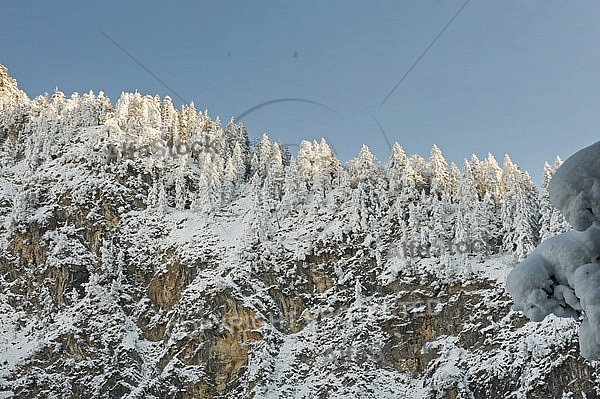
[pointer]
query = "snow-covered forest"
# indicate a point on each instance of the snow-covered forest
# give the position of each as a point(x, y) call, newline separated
point(149, 251)
point(203, 165)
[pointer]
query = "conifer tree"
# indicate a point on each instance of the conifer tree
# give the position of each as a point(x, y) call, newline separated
point(453, 181)
point(369, 186)
point(181, 189)
point(520, 211)
point(466, 216)
point(396, 169)
point(234, 174)
point(552, 222)
point(492, 179)
point(295, 190)
point(418, 173)
point(438, 172)
point(186, 121)
point(170, 121)
point(326, 170)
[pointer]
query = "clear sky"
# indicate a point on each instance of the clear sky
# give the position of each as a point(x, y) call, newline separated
point(516, 77)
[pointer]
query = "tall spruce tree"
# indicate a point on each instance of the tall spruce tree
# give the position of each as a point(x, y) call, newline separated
point(520, 211)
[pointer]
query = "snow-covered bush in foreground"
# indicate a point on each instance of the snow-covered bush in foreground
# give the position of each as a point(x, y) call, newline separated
point(542, 283)
point(562, 275)
point(575, 188)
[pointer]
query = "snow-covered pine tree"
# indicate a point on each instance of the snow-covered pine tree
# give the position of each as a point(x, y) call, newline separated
point(181, 189)
point(415, 236)
point(295, 190)
point(438, 174)
point(552, 222)
point(261, 216)
point(478, 172)
point(152, 198)
point(396, 169)
point(440, 192)
point(274, 175)
point(122, 111)
point(137, 116)
point(286, 154)
point(187, 119)
point(154, 122)
point(162, 203)
point(453, 181)
point(210, 182)
point(467, 204)
point(259, 162)
point(520, 211)
point(424, 216)
point(57, 104)
point(236, 133)
point(403, 181)
point(267, 186)
point(101, 110)
point(369, 190)
point(235, 172)
point(441, 229)
point(492, 179)
point(305, 160)
point(493, 191)
point(419, 173)
point(489, 231)
point(133, 115)
point(44, 129)
point(326, 171)
point(170, 121)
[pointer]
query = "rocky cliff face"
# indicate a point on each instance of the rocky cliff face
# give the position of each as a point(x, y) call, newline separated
point(107, 293)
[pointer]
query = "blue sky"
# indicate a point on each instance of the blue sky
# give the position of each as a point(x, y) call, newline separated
point(516, 77)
